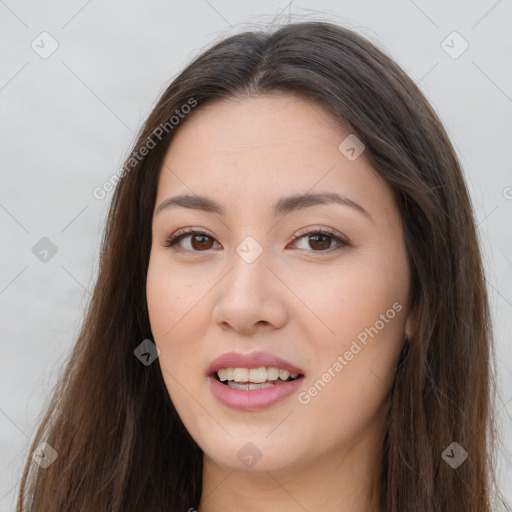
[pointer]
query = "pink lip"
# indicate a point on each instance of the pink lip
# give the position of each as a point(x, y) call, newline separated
point(252, 360)
point(254, 399)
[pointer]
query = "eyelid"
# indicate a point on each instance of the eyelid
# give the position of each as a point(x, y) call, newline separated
point(177, 236)
point(318, 229)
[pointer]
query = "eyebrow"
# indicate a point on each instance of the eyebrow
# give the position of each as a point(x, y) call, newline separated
point(283, 206)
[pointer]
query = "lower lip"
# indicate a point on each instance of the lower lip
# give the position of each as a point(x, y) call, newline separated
point(253, 399)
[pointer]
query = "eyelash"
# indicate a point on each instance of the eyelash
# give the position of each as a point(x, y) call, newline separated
point(184, 233)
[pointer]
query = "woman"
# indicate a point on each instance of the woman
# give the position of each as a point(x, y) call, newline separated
point(290, 312)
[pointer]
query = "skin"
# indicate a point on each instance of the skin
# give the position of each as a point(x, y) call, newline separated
point(300, 300)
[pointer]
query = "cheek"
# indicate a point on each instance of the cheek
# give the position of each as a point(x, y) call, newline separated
point(346, 406)
point(343, 302)
point(353, 370)
point(174, 314)
point(168, 297)
point(362, 307)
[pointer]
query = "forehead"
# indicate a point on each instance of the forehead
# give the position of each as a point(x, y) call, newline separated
point(243, 151)
point(277, 123)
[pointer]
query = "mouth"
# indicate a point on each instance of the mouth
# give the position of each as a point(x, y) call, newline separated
point(250, 382)
point(254, 378)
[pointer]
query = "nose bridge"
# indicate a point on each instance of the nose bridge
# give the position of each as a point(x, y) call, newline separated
point(247, 295)
point(249, 274)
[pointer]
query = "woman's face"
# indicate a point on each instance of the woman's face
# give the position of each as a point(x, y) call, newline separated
point(259, 277)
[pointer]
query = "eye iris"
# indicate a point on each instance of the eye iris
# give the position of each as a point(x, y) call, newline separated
point(318, 241)
point(325, 237)
point(202, 245)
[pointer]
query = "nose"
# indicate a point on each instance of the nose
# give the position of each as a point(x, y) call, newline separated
point(251, 297)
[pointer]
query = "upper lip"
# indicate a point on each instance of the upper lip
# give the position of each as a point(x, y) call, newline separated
point(251, 360)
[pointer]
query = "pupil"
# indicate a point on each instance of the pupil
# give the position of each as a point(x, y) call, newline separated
point(201, 243)
point(320, 236)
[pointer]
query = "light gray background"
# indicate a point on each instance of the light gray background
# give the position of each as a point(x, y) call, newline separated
point(68, 122)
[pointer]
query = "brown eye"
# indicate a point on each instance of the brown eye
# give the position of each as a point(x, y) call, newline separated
point(320, 242)
point(199, 242)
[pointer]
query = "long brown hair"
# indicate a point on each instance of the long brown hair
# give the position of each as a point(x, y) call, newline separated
point(121, 445)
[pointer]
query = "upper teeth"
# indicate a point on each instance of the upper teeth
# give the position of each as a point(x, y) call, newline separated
point(256, 375)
